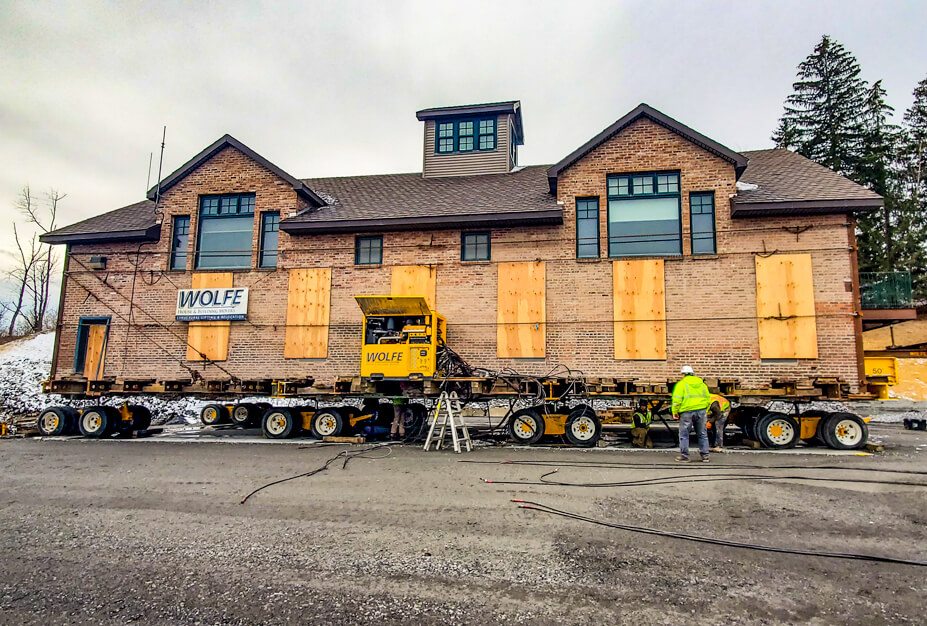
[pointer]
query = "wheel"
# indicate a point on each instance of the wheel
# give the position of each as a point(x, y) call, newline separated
point(583, 427)
point(54, 421)
point(279, 424)
point(526, 426)
point(246, 415)
point(413, 419)
point(213, 414)
point(141, 417)
point(777, 431)
point(844, 431)
point(98, 421)
point(327, 423)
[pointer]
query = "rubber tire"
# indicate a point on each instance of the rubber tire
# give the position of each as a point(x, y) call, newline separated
point(73, 416)
point(829, 427)
point(221, 415)
point(252, 414)
point(141, 417)
point(575, 414)
point(290, 429)
point(516, 420)
point(62, 424)
point(106, 424)
point(415, 427)
point(331, 412)
point(763, 424)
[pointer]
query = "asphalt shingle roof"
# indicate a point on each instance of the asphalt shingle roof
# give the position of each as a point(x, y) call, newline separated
point(786, 183)
point(129, 222)
point(785, 176)
point(411, 195)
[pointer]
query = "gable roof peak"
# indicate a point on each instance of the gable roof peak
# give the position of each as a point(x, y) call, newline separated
point(221, 143)
point(644, 110)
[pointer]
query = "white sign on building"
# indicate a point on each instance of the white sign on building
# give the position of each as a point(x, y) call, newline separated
point(227, 303)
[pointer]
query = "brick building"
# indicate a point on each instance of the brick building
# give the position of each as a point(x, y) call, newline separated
point(649, 247)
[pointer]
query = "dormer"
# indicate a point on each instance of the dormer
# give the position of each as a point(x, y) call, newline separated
point(472, 139)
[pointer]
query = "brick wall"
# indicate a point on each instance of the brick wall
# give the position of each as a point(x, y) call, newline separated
point(710, 300)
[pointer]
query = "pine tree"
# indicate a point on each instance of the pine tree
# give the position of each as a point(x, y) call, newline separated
point(823, 116)
point(912, 213)
point(875, 170)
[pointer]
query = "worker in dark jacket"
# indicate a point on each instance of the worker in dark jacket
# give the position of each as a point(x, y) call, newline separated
point(690, 400)
point(718, 411)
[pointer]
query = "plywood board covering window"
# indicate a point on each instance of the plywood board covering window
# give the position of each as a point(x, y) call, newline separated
point(308, 309)
point(209, 339)
point(521, 312)
point(785, 307)
point(640, 309)
point(415, 280)
point(96, 351)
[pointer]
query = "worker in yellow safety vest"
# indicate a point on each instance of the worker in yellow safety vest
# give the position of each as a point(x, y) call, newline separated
point(690, 401)
point(718, 411)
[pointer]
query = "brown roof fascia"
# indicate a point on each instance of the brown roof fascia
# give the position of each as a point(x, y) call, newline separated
point(803, 207)
point(644, 110)
point(511, 106)
point(553, 217)
point(152, 233)
point(227, 140)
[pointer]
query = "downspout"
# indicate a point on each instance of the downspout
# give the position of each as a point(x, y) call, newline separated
point(857, 302)
point(59, 324)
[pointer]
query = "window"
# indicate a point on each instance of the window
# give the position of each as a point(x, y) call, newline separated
point(180, 241)
point(270, 228)
point(368, 250)
point(225, 231)
point(474, 246)
point(487, 134)
point(644, 215)
point(587, 228)
point(702, 212)
point(465, 135)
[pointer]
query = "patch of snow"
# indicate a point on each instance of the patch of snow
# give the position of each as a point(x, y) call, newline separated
point(741, 186)
point(25, 363)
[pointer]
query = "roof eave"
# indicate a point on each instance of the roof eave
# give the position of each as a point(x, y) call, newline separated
point(542, 217)
point(803, 207)
point(151, 233)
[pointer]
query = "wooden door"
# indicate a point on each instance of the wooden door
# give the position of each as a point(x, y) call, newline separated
point(96, 351)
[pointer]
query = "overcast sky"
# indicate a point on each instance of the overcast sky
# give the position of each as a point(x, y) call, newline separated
point(331, 88)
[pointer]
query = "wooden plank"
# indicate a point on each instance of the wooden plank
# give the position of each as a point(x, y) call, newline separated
point(785, 307)
point(307, 314)
point(415, 280)
point(639, 309)
point(209, 338)
point(521, 310)
point(96, 351)
point(351, 439)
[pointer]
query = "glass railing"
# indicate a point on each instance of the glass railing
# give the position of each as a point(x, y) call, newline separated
point(885, 290)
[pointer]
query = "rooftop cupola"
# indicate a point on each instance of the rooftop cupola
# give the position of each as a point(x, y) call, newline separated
point(472, 139)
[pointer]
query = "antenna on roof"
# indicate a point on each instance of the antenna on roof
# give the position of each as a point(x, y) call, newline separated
point(148, 180)
point(160, 163)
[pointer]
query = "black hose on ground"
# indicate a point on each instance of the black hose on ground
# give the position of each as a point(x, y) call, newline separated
point(346, 454)
point(543, 508)
point(696, 478)
point(624, 465)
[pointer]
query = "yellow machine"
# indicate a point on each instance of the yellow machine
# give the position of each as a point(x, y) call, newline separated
point(401, 337)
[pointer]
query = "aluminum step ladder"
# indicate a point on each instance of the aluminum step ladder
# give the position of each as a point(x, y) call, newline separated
point(447, 417)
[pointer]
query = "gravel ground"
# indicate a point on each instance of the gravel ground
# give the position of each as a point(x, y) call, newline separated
point(112, 532)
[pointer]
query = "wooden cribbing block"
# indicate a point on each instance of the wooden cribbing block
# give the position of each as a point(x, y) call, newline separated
point(353, 439)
